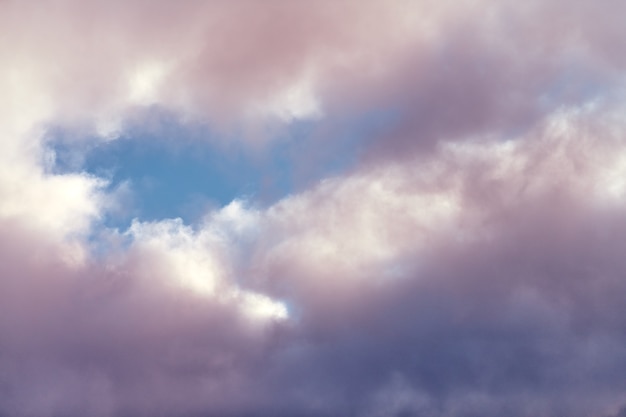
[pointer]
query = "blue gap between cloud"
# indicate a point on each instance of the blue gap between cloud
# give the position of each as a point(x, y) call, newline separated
point(175, 169)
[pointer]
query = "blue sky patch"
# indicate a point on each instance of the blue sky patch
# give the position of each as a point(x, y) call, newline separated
point(198, 171)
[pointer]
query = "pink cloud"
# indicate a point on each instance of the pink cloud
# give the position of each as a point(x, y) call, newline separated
point(470, 264)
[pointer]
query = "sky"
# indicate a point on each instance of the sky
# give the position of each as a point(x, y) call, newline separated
point(399, 208)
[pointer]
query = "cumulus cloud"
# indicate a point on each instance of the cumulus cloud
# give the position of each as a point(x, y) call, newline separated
point(469, 264)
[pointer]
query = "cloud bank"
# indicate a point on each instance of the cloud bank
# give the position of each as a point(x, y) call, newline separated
point(469, 263)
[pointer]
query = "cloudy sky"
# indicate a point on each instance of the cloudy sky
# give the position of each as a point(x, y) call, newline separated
point(367, 208)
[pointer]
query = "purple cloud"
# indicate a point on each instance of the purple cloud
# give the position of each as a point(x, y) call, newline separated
point(469, 264)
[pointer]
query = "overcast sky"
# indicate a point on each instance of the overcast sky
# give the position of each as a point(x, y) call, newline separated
point(277, 208)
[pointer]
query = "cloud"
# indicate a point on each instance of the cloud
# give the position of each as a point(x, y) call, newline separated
point(93, 63)
point(485, 279)
point(469, 264)
point(500, 306)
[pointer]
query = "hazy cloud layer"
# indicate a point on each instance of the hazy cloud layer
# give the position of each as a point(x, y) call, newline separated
point(469, 264)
